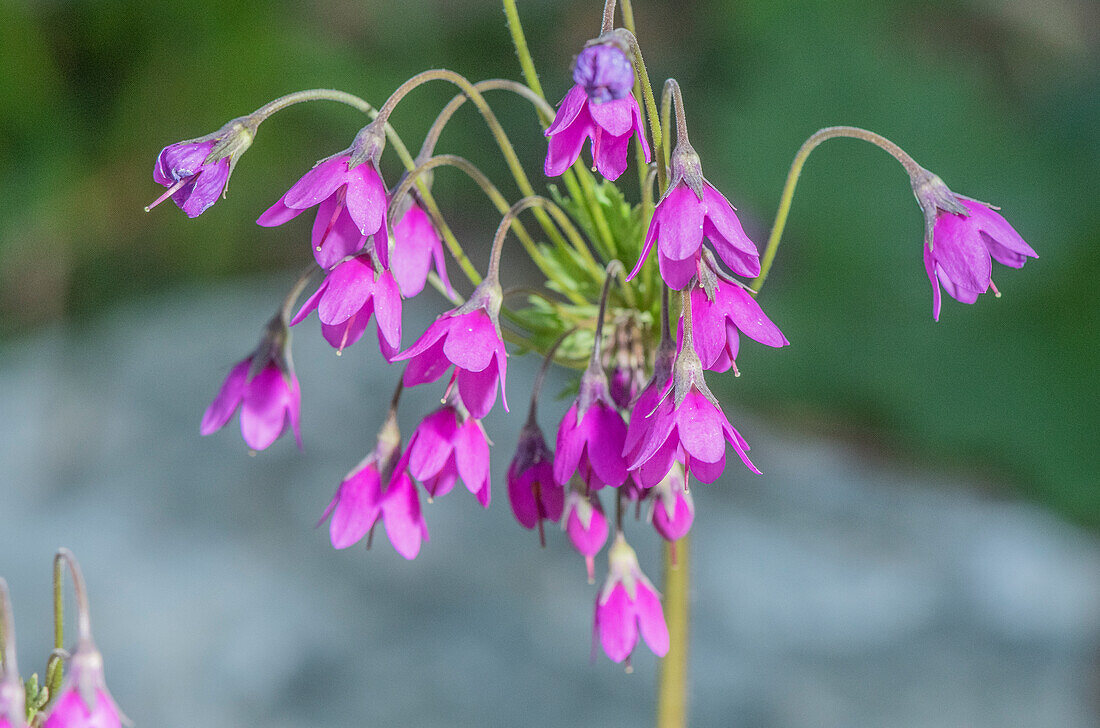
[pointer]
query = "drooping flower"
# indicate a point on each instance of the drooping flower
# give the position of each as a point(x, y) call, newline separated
point(962, 238)
point(687, 425)
point(690, 210)
point(350, 197)
point(720, 308)
point(359, 500)
point(534, 494)
point(673, 509)
point(469, 338)
point(417, 246)
point(599, 107)
point(591, 436)
point(266, 390)
point(197, 171)
point(345, 300)
point(583, 520)
point(628, 604)
point(449, 444)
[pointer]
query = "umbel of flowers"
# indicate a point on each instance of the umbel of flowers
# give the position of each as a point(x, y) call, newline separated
point(644, 422)
point(74, 692)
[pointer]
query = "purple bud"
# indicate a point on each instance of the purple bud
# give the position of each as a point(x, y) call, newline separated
point(605, 73)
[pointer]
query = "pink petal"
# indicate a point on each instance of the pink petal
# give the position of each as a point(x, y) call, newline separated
point(615, 622)
point(677, 274)
point(264, 408)
point(707, 472)
point(650, 238)
point(681, 215)
point(471, 341)
point(349, 288)
point(401, 513)
point(366, 199)
point(318, 183)
point(959, 251)
point(357, 508)
point(432, 443)
point(726, 228)
point(699, 424)
point(336, 236)
point(472, 459)
point(651, 619)
point(521, 496)
point(428, 340)
point(478, 390)
point(568, 110)
point(415, 242)
point(570, 446)
point(565, 146)
point(278, 214)
point(616, 117)
point(606, 434)
point(1002, 240)
point(748, 316)
point(426, 367)
point(610, 154)
point(228, 398)
point(708, 323)
point(387, 308)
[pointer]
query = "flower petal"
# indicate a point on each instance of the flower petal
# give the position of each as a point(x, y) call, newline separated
point(366, 199)
point(318, 184)
point(478, 390)
point(227, 399)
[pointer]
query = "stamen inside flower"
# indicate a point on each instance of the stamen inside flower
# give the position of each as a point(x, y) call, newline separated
point(996, 293)
point(169, 192)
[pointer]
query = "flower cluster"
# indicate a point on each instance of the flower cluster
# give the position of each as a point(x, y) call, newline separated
point(74, 694)
point(644, 421)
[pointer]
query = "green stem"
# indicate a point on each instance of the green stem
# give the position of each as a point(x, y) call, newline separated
point(648, 97)
point(526, 63)
point(831, 132)
point(80, 592)
point(672, 681)
point(537, 202)
point(494, 84)
point(443, 74)
point(313, 94)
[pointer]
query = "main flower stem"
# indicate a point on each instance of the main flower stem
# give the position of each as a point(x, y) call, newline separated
point(831, 132)
point(672, 682)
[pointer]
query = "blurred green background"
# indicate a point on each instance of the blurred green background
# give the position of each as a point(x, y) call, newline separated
point(1000, 97)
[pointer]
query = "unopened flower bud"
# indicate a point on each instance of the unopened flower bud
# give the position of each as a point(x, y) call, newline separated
point(197, 171)
point(605, 73)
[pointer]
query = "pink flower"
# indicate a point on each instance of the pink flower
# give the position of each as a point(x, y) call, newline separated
point(690, 210)
point(584, 113)
point(448, 445)
point(532, 491)
point(197, 171)
point(358, 501)
point(965, 240)
point(717, 318)
point(84, 701)
point(345, 300)
point(628, 603)
point(351, 207)
point(687, 425)
point(591, 436)
point(673, 509)
point(586, 525)
point(416, 246)
point(469, 338)
point(265, 389)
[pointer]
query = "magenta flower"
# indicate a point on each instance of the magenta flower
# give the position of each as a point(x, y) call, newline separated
point(717, 318)
point(584, 522)
point(416, 246)
point(469, 338)
point(345, 300)
point(597, 108)
point(690, 210)
point(532, 490)
point(265, 389)
point(448, 445)
point(673, 509)
point(591, 436)
point(358, 501)
point(197, 171)
point(628, 604)
point(351, 206)
point(687, 425)
point(83, 700)
point(962, 238)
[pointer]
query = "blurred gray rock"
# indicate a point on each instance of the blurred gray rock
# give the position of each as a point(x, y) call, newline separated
point(833, 591)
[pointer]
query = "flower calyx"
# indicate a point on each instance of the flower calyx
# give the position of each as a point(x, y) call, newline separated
point(686, 167)
point(368, 145)
point(932, 196)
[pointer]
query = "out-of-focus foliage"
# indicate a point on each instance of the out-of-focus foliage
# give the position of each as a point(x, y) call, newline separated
point(1000, 98)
